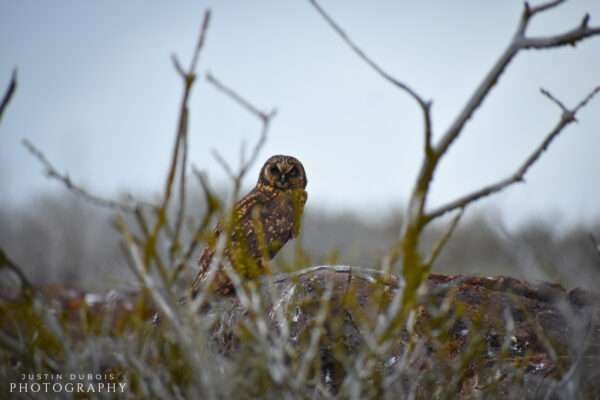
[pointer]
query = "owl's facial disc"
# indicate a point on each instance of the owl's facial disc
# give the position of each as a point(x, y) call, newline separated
point(280, 172)
point(283, 172)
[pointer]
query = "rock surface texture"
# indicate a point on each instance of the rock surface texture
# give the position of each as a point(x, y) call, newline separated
point(475, 335)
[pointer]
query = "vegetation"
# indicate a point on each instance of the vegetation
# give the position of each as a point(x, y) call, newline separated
point(396, 330)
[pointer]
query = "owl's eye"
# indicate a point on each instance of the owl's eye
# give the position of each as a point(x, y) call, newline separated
point(294, 172)
point(274, 170)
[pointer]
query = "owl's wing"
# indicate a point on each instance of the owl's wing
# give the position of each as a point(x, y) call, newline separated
point(299, 200)
point(243, 209)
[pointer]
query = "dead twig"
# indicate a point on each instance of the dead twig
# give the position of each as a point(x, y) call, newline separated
point(265, 117)
point(236, 97)
point(213, 205)
point(96, 200)
point(519, 42)
point(567, 117)
point(10, 91)
point(441, 243)
point(423, 104)
point(6, 262)
point(188, 77)
point(175, 246)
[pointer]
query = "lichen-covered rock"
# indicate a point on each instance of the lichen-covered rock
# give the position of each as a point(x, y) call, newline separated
point(494, 335)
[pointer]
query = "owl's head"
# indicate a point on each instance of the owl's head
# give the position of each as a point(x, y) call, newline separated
point(283, 172)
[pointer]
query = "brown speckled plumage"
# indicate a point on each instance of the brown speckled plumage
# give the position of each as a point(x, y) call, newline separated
point(263, 222)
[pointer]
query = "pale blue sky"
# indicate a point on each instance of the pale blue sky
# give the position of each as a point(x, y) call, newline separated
point(97, 92)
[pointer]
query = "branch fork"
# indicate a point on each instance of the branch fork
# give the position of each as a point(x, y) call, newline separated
point(414, 267)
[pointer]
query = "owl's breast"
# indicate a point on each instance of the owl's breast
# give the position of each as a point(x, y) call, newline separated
point(282, 218)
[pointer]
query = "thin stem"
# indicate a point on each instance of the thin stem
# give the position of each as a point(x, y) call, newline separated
point(441, 243)
point(10, 91)
point(96, 200)
point(567, 117)
point(365, 57)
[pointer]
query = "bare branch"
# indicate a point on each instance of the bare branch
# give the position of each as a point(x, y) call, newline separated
point(554, 100)
point(441, 243)
point(212, 205)
point(519, 42)
point(182, 125)
point(428, 129)
point(6, 262)
point(180, 145)
point(259, 144)
point(585, 101)
point(531, 11)
point(237, 98)
point(263, 116)
point(10, 91)
point(201, 39)
point(224, 164)
point(366, 58)
point(486, 85)
point(571, 37)
point(211, 200)
point(182, 191)
point(177, 66)
point(53, 173)
point(142, 222)
point(423, 104)
point(566, 118)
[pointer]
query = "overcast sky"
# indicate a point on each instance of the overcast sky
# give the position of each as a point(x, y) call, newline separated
point(97, 92)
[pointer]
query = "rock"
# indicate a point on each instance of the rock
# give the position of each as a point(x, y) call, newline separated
point(520, 339)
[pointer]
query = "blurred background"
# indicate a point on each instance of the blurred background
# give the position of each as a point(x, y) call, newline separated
point(99, 95)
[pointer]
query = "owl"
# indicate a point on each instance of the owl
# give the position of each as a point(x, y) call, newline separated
point(263, 222)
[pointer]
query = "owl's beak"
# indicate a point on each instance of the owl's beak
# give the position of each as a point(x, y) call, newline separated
point(284, 168)
point(282, 178)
